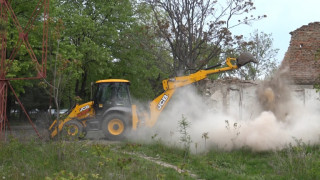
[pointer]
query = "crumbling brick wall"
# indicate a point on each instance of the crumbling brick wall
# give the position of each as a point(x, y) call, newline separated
point(303, 55)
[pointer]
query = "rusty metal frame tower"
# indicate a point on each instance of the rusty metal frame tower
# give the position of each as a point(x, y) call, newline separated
point(41, 10)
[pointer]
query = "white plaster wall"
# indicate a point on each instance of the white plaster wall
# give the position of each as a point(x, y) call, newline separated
point(238, 98)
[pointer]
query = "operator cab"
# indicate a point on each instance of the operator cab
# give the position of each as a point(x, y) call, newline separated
point(111, 93)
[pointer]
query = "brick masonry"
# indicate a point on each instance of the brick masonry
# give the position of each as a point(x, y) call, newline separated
point(303, 56)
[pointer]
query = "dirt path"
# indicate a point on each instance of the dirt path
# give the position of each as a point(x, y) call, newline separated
point(164, 164)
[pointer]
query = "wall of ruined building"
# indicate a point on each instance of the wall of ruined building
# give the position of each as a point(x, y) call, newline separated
point(239, 98)
point(301, 57)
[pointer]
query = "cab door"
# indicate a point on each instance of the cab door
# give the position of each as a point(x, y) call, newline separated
point(112, 94)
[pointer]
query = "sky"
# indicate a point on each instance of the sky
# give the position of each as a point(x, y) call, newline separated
point(283, 17)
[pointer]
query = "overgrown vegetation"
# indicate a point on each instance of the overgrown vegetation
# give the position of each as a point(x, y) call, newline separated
point(80, 160)
point(142, 41)
point(91, 160)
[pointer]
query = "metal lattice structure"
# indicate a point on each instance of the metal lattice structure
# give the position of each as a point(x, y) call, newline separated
point(41, 11)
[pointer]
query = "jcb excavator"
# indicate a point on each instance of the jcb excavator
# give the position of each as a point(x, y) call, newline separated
point(112, 112)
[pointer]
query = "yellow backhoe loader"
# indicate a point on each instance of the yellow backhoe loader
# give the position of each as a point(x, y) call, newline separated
point(112, 112)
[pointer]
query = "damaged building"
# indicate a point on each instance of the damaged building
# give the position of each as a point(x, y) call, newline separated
point(303, 56)
point(301, 65)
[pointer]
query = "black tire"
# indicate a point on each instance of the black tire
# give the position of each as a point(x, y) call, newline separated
point(114, 126)
point(73, 129)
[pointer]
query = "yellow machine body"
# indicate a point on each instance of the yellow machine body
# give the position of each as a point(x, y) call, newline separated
point(82, 112)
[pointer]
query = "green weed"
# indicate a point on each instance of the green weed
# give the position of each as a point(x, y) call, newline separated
point(185, 137)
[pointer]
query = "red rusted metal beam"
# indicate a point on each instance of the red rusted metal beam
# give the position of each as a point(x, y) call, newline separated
point(3, 108)
point(24, 110)
point(23, 35)
point(5, 11)
point(3, 82)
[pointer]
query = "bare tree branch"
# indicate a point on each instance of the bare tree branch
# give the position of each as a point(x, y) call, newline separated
point(196, 30)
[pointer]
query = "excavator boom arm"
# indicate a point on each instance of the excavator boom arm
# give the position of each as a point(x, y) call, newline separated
point(170, 85)
point(195, 77)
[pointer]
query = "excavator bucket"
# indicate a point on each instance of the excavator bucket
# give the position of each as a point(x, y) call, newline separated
point(245, 58)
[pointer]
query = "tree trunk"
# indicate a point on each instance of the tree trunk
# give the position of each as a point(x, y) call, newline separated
point(84, 83)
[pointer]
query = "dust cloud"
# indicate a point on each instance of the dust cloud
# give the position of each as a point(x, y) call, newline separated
point(274, 119)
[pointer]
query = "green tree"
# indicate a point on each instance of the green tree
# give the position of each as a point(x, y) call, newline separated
point(64, 68)
point(96, 39)
point(20, 64)
point(89, 28)
point(140, 57)
point(260, 45)
point(197, 31)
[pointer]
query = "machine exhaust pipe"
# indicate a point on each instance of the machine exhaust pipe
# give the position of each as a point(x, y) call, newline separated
point(245, 58)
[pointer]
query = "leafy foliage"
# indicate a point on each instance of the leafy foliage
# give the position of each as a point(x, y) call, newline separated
point(89, 41)
point(142, 41)
point(140, 58)
point(111, 41)
point(260, 45)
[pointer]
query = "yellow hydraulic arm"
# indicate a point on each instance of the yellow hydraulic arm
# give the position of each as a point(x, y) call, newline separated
point(170, 85)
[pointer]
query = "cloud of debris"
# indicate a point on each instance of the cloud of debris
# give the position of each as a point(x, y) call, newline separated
point(279, 120)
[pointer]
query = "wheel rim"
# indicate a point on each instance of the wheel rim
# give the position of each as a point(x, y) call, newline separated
point(73, 130)
point(115, 127)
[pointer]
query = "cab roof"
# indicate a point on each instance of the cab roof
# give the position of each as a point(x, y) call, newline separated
point(112, 80)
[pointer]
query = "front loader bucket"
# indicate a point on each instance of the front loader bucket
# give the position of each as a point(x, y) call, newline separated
point(245, 58)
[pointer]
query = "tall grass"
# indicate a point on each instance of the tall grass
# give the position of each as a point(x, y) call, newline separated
point(298, 161)
point(87, 160)
point(79, 160)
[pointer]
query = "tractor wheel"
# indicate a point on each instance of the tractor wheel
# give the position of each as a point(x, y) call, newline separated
point(73, 130)
point(114, 126)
